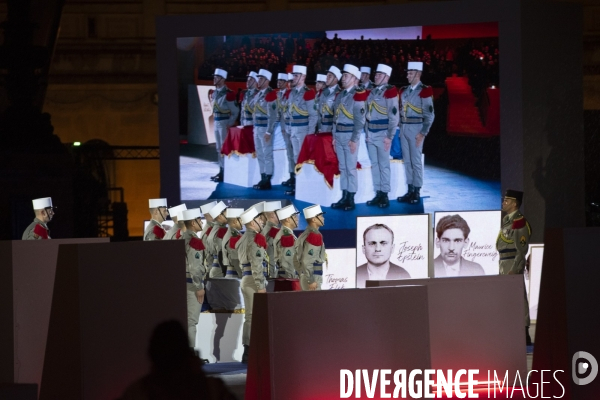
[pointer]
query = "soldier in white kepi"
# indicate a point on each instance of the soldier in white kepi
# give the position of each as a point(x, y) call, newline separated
point(252, 251)
point(265, 116)
point(230, 240)
point(158, 215)
point(214, 240)
point(178, 226)
point(320, 83)
point(283, 244)
point(269, 231)
point(225, 113)
point(348, 122)
point(302, 113)
point(365, 78)
point(283, 119)
point(205, 208)
point(44, 212)
point(247, 100)
point(309, 250)
point(326, 100)
point(195, 269)
point(416, 117)
point(382, 119)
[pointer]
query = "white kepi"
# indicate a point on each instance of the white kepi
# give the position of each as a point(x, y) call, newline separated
point(221, 72)
point(217, 209)
point(248, 215)
point(365, 70)
point(260, 207)
point(286, 212)
point(312, 211)
point(206, 207)
point(282, 77)
point(299, 69)
point(40, 204)
point(175, 211)
point(155, 203)
point(351, 69)
point(321, 78)
point(188, 215)
point(265, 74)
point(386, 69)
point(415, 66)
point(234, 212)
point(272, 206)
point(336, 71)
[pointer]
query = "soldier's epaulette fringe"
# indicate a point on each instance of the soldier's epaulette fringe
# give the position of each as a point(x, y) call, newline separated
point(425, 92)
point(287, 241)
point(309, 95)
point(316, 239)
point(519, 223)
point(197, 244)
point(273, 232)
point(158, 231)
point(361, 95)
point(221, 232)
point(42, 232)
point(391, 93)
point(271, 96)
point(233, 241)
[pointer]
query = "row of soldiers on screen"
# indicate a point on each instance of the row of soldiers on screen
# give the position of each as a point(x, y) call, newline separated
point(218, 248)
point(345, 104)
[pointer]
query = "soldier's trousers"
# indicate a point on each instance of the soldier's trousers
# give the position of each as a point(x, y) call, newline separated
point(297, 135)
point(248, 287)
point(346, 161)
point(285, 132)
point(380, 160)
point(193, 313)
point(411, 154)
point(264, 150)
point(304, 281)
point(220, 135)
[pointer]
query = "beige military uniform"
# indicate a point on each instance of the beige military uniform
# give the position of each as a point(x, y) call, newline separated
point(303, 117)
point(247, 107)
point(37, 230)
point(269, 231)
point(214, 245)
point(154, 231)
point(230, 253)
point(284, 122)
point(174, 233)
point(309, 257)
point(283, 246)
point(252, 253)
point(225, 113)
point(325, 108)
point(513, 245)
point(195, 272)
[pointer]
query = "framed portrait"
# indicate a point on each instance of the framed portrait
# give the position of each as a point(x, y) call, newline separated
point(464, 243)
point(340, 270)
point(392, 247)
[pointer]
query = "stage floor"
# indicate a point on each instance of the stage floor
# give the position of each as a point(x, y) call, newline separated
point(443, 190)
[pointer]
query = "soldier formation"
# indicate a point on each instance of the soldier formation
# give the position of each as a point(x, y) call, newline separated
point(345, 103)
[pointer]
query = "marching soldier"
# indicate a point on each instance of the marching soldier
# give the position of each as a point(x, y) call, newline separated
point(382, 119)
point(44, 212)
point(209, 221)
point(158, 215)
point(282, 118)
point(265, 116)
point(178, 226)
point(269, 231)
point(194, 269)
point(310, 251)
point(230, 240)
point(301, 112)
point(326, 99)
point(365, 78)
point(513, 243)
point(247, 100)
point(349, 120)
point(283, 244)
point(252, 251)
point(225, 113)
point(214, 240)
point(416, 117)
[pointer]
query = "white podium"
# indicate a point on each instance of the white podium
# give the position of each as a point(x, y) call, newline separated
point(312, 188)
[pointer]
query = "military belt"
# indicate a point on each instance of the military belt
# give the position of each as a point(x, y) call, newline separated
point(189, 280)
point(344, 127)
point(221, 116)
point(507, 254)
point(317, 268)
point(261, 121)
point(231, 272)
point(299, 120)
point(412, 120)
point(378, 125)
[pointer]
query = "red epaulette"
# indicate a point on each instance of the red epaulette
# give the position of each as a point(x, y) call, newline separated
point(208, 231)
point(260, 240)
point(241, 95)
point(402, 89)
point(40, 231)
point(287, 241)
point(197, 244)
point(230, 96)
point(158, 231)
point(316, 239)
point(519, 223)
point(211, 92)
point(178, 234)
point(271, 96)
point(309, 95)
point(221, 232)
point(361, 96)
point(427, 91)
point(273, 232)
point(287, 93)
point(391, 93)
point(233, 241)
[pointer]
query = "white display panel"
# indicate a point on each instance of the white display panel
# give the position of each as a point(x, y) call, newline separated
point(340, 270)
point(406, 252)
point(467, 243)
point(536, 257)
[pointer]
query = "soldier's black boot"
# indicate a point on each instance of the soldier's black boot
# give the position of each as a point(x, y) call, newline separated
point(261, 182)
point(245, 355)
point(350, 202)
point(406, 198)
point(376, 200)
point(416, 196)
point(218, 177)
point(290, 182)
point(266, 185)
point(384, 201)
point(342, 202)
